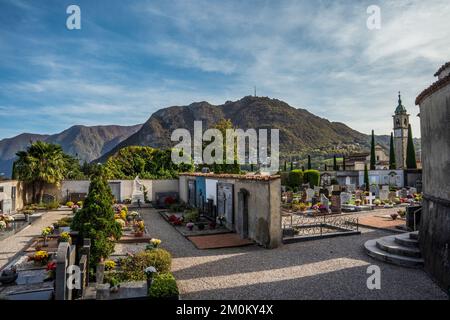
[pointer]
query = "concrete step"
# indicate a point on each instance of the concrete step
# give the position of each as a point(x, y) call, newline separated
point(389, 244)
point(378, 254)
point(405, 240)
point(414, 235)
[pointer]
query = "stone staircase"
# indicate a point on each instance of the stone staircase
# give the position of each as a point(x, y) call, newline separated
point(402, 249)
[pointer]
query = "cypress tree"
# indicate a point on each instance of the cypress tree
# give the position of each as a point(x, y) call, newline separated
point(292, 166)
point(326, 168)
point(14, 174)
point(372, 152)
point(343, 163)
point(335, 167)
point(392, 162)
point(366, 177)
point(303, 168)
point(285, 166)
point(309, 162)
point(410, 151)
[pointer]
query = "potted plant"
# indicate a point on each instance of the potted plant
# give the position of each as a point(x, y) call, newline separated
point(139, 229)
point(65, 237)
point(51, 271)
point(114, 285)
point(110, 265)
point(377, 202)
point(190, 226)
point(39, 258)
point(45, 232)
point(2, 225)
point(401, 213)
point(358, 202)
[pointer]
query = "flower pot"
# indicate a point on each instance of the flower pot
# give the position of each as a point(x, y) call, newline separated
point(394, 216)
point(139, 234)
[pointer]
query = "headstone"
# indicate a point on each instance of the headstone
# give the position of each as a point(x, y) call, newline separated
point(225, 203)
point(358, 195)
point(384, 195)
point(335, 202)
point(375, 190)
point(345, 197)
point(336, 187)
point(385, 187)
point(412, 191)
point(350, 188)
point(325, 201)
point(370, 198)
point(65, 258)
point(403, 193)
point(330, 189)
point(309, 194)
point(317, 190)
point(138, 191)
point(162, 199)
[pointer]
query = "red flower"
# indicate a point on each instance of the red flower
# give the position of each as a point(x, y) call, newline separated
point(51, 266)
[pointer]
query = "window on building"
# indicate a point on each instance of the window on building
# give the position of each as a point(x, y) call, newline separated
point(2, 189)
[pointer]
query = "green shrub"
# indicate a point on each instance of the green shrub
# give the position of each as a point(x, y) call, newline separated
point(191, 216)
point(164, 286)
point(133, 266)
point(52, 205)
point(69, 204)
point(80, 203)
point(284, 178)
point(295, 178)
point(312, 177)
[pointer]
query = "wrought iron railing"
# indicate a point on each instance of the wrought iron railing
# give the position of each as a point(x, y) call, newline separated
point(300, 225)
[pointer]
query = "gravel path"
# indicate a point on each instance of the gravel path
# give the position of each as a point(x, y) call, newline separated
point(324, 269)
point(13, 245)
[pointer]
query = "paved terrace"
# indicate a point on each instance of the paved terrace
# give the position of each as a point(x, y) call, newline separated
point(324, 269)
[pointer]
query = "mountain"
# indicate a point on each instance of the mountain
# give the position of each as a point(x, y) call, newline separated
point(300, 130)
point(86, 143)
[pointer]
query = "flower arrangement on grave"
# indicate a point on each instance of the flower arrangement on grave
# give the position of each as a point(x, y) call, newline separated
point(121, 222)
point(2, 225)
point(45, 233)
point(65, 237)
point(358, 202)
point(110, 265)
point(39, 257)
point(80, 204)
point(190, 226)
point(139, 228)
point(315, 207)
point(69, 204)
point(169, 201)
point(377, 202)
point(134, 215)
point(75, 208)
point(155, 242)
point(123, 215)
point(51, 270)
point(323, 208)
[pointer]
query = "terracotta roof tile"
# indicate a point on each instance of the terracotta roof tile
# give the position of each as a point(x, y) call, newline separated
point(442, 68)
point(230, 176)
point(433, 88)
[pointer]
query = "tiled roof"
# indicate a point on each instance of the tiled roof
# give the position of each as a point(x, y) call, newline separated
point(442, 68)
point(231, 176)
point(433, 88)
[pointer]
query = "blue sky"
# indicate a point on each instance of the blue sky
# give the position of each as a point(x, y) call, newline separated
point(133, 58)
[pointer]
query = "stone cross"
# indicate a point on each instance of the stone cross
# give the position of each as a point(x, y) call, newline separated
point(370, 197)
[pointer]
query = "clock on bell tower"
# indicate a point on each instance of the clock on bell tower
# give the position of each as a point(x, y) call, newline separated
point(401, 122)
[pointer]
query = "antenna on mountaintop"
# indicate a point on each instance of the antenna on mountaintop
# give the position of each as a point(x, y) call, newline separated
point(255, 91)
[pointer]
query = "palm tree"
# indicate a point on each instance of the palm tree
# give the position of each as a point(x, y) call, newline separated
point(43, 163)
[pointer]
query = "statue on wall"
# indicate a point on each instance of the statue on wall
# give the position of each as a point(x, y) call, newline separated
point(138, 191)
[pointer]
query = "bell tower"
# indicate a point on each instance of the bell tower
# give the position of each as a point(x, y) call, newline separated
point(401, 122)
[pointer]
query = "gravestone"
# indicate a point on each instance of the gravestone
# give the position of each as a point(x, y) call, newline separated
point(412, 191)
point(225, 203)
point(358, 195)
point(375, 190)
point(370, 198)
point(330, 189)
point(309, 194)
point(325, 202)
point(335, 202)
point(385, 187)
point(384, 195)
point(336, 187)
point(162, 199)
point(345, 197)
point(350, 188)
point(317, 190)
point(403, 193)
point(65, 258)
point(191, 193)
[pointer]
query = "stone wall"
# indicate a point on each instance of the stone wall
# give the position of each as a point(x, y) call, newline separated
point(263, 218)
point(435, 221)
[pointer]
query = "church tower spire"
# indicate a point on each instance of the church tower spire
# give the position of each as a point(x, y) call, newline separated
point(401, 122)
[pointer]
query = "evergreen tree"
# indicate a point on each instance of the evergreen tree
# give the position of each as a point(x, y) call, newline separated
point(366, 177)
point(96, 220)
point(392, 162)
point(326, 167)
point(285, 166)
point(309, 162)
point(335, 163)
point(372, 152)
point(343, 163)
point(410, 151)
point(292, 166)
